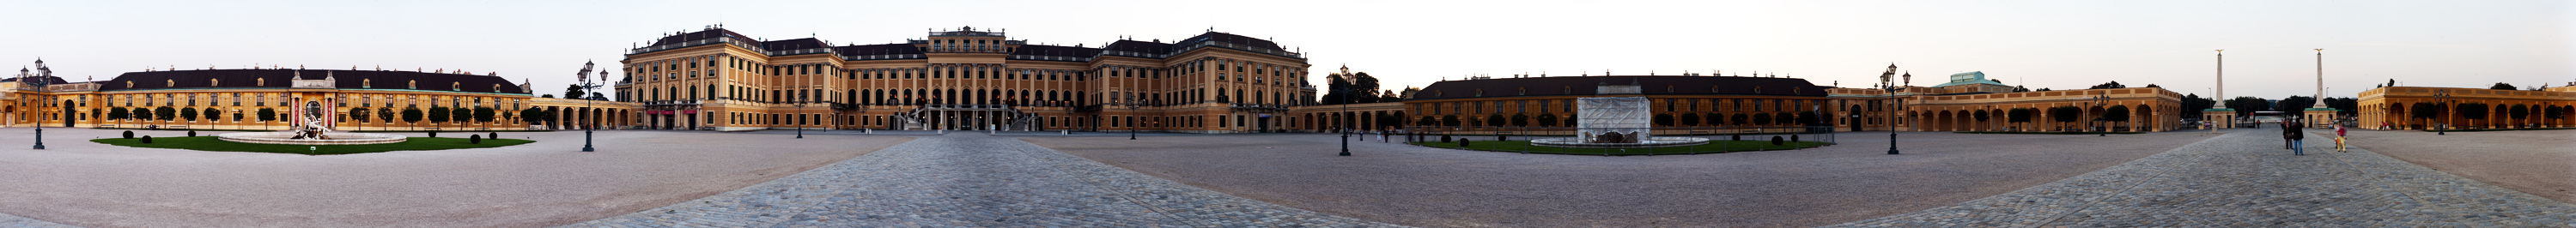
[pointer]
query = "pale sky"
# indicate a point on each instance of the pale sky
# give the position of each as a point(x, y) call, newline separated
point(2053, 44)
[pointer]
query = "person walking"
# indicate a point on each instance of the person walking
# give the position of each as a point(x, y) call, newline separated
point(2286, 142)
point(2293, 135)
point(2339, 139)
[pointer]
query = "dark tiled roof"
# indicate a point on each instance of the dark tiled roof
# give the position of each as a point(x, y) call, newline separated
point(53, 80)
point(792, 44)
point(1648, 85)
point(1139, 46)
point(282, 78)
point(1052, 50)
point(704, 34)
point(877, 49)
point(1229, 38)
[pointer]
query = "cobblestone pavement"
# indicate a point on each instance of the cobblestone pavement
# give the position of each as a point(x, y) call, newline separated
point(2244, 179)
point(973, 180)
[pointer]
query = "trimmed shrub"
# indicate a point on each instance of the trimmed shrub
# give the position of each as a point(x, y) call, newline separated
point(1502, 137)
point(433, 134)
point(474, 139)
point(129, 134)
point(1462, 143)
point(1444, 138)
point(147, 139)
point(1775, 140)
point(192, 133)
point(1793, 138)
point(1737, 137)
point(495, 135)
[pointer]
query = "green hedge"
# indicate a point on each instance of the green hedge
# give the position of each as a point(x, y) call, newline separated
point(210, 143)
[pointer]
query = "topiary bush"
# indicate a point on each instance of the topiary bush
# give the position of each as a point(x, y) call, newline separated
point(1444, 138)
point(129, 134)
point(1793, 138)
point(433, 134)
point(192, 133)
point(1462, 143)
point(147, 139)
point(495, 135)
point(474, 139)
point(1775, 140)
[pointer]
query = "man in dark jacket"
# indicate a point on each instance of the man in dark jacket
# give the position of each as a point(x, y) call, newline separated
point(2293, 135)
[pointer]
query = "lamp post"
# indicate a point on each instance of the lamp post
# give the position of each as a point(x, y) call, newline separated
point(1346, 120)
point(800, 107)
point(586, 86)
point(1131, 111)
point(1889, 84)
point(2445, 97)
point(42, 73)
point(2098, 101)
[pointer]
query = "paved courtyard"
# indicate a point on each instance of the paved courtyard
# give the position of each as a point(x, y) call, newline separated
point(2245, 179)
point(970, 179)
point(546, 183)
point(1419, 186)
point(2536, 162)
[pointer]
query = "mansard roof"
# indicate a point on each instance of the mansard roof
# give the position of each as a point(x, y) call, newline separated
point(705, 34)
point(792, 44)
point(1052, 50)
point(283, 78)
point(877, 49)
point(1139, 46)
point(1648, 85)
point(1228, 38)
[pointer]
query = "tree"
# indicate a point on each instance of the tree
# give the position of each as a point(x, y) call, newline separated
point(1809, 119)
point(572, 92)
point(2473, 111)
point(1449, 120)
point(2019, 115)
point(117, 113)
point(2425, 111)
point(267, 114)
point(1981, 116)
point(1494, 120)
point(385, 113)
point(1739, 119)
point(164, 113)
point(141, 114)
point(533, 116)
point(461, 115)
point(1545, 119)
point(412, 114)
point(2519, 112)
point(213, 114)
point(547, 96)
point(1663, 119)
point(1690, 119)
point(1520, 120)
point(1359, 88)
point(1427, 121)
point(2066, 114)
point(2246, 106)
point(1715, 119)
point(438, 114)
point(2111, 85)
point(2018, 89)
point(2042, 90)
point(2294, 103)
point(2503, 86)
point(1761, 119)
point(358, 115)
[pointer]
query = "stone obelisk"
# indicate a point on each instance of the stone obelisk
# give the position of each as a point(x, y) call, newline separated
point(2219, 116)
point(2321, 79)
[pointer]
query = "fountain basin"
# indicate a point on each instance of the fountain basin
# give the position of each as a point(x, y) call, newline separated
point(289, 138)
point(1644, 143)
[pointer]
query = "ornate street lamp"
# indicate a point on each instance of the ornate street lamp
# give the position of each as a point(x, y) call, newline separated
point(1888, 84)
point(2098, 102)
point(800, 107)
point(586, 86)
point(42, 73)
point(1346, 120)
point(2445, 97)
point(1131, 111)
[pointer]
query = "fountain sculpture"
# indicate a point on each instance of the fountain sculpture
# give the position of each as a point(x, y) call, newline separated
point(309, 130)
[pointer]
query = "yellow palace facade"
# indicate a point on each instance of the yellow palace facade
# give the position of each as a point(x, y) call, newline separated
point(274, 98)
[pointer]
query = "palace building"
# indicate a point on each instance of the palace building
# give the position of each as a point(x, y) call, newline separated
point(1968, 102)
point(2425, 108)
point(963, 79)
point(273, 98)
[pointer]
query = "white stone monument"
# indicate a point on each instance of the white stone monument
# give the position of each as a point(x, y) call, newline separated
point(1613, 119)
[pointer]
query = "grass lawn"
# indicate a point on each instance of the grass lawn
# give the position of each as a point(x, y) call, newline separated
point(1713, 146)
point(210, 143)
point(2046, 132)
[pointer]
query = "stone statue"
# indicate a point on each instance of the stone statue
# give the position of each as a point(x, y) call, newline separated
point(312, 122)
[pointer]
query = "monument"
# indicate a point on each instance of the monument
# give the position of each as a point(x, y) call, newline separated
point(1615, 122)
point(309, 130)
point(2220, 116)
point(2319, 115)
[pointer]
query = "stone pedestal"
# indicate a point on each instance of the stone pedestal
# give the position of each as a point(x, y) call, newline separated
point(2219, 117)
point(2318, 117)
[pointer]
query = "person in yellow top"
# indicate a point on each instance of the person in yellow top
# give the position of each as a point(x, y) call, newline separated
point(2339, 139)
